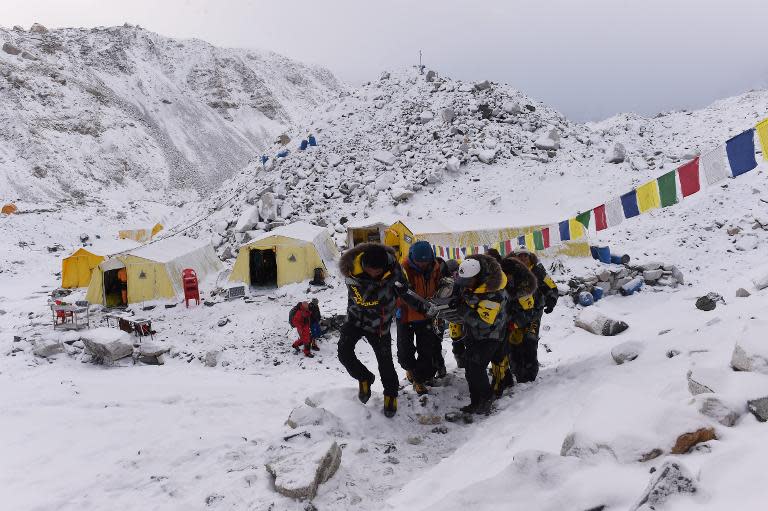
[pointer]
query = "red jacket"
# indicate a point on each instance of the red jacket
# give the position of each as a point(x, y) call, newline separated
point(301, 321)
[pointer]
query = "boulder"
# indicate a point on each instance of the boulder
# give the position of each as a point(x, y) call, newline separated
point(677, 275)
point(47, 348)
point(626, 351)
point(211, 358)
point(11, 49)
point(759, 408)
point(452, 165)
point(37, 28)
point(549, 141)
point(298, 472)
point(746, 243)
point(333, 160)
point(706, 303)
point(107, 344)
point(268, 207)
point(304, 416)
point(714, 408)
point(484, 85)
point(400, 193)
point(385, 157)
point(511, 107)
point(742, 293)
point(593, 321)
point(761, 282)
point(152, 355)
point(426, 116)
point(487, 155)
point(672, 479)
point(616, 154)
point(751, 350)
point(248, 219)
point(431, 75)
point(652, 275)
point(447, 115)
point(384, 181)
point(686, 441)
point(700, 382)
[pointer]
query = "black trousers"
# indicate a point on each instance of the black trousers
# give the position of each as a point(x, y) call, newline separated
point(477, 356)
point(524, 357)
point(382, 348)
point(417, 357)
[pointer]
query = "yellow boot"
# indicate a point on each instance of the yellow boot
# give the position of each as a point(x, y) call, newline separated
point(390, 406)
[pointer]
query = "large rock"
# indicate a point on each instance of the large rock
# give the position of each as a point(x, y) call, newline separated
point(686, 441)
point(11, 49)
point(152, 355)
point(452, 165)
point(761, 282)
point(549, 141)
point(484, 85)
point(486, 155)
point(211, 358)
point(385, 157)
point(616, 154)
point(248, 219)
point(268, 207)
point(431, 76)
point(511, 107)
point(447, 115)
point(37, 28)
point(426, 116)
point(652, 275)
point(759, 408)
point(714, 408)
point(313, 416)
point(299, 471)
point(107, 344)
point(593, 321)
point(670, 480)
point(47, 348)
point(334, 160)
point(751, 350)
point(626, 351)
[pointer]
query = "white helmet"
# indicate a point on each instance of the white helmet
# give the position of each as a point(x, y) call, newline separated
point(469, 268)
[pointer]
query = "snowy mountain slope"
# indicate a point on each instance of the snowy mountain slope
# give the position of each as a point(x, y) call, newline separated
point(87, 110)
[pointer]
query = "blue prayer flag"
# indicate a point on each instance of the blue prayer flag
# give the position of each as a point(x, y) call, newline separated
point(741, 152)
point(629, 204)
point(565, 230)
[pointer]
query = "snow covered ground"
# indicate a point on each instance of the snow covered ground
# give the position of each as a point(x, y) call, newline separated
point(187, 436)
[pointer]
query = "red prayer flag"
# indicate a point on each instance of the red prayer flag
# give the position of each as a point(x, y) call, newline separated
point(545, 235)
point(601, 221)
point(689, 177)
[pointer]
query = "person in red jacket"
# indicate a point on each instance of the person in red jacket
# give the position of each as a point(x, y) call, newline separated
point(301, 318)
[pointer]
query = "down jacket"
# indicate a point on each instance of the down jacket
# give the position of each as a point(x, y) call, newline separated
point(484, 309)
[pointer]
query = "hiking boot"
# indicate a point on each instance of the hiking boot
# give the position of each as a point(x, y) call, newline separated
point(309, 354)
point(420, 388)
point(441, 371)
point(409, 376)
point(484, 407)
point(315, 346)
point(390, 406)
point(364, 390)
point(470, 408)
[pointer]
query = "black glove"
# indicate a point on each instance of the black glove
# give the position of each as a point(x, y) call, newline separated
point(550, 305)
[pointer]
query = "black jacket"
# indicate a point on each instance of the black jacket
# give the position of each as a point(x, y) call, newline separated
point(484, 309)
point(521, 288)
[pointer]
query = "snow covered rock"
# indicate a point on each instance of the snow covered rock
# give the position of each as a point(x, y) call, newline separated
point(46, 348)
point(672, 479)
point(385, 157)
point(761, 282)
point(486, 155)
point(593, 321)
point(759, 408)
point(400, 193)
point(211, 358)
point(447, 115)
point(484, 85)
point(511, 107)
point(616, 154)
point(107, 344)
point(651, 276)
point(742, 293)
point(298, 472)
point(37, 28)
point(248, 219)
point(426, 116)
point(431, 76)
point(751, 350)
point(549, 141)
point(334, 160)
point(452, 165)
point(306, 416)
point(268, 207)
point(687, 441)
point(626, 351)
point(384, 181)
point(714, 408)
point(11, 49)
point(152, 355)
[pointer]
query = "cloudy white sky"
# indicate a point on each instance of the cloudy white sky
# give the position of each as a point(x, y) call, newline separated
point(589, 58)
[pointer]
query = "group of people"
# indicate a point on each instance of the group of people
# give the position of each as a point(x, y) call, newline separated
point(305, 317)
point(495, 304)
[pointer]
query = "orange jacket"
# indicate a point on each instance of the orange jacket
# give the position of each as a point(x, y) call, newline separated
point(423, 285)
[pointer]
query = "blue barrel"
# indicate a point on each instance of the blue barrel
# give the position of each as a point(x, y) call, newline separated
point(586, 299)
point(597, 293)
point(593, 251)
point(620, 259)
point(604, 254)
point(631, 286)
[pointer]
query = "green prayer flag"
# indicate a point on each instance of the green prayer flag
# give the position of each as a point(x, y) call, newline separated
point(583, 218)
point(538, 240)
point(667, 189)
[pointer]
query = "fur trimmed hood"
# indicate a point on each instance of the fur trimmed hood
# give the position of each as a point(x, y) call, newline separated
point(491, 276)
point(521, 280)
point(349, 263)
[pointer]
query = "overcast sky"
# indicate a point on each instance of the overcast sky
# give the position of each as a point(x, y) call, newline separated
point(588, 58)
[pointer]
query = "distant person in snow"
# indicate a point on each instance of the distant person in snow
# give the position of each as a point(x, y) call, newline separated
point(524, 360)
point(424, 272)
point(375, 280)
point(482, 302)
point(314, 324)
point(300, 317)
point(311, 140)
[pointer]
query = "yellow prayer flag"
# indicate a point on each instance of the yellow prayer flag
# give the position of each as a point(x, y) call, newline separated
point(529, 243)
point(762, 135)
point(648, 196)
point(576, 228)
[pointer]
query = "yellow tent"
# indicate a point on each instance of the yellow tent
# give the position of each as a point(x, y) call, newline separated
point(140, 235)
point(76, 269)
point(368, 230)
point(285, 255)
point(153, 271)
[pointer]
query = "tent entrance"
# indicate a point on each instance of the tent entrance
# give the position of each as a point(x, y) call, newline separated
point(366, 235)
point(263, 268)
point(115, 288)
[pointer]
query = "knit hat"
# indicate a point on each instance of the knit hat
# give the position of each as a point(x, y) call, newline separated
point(421, 252)
point(375, 256)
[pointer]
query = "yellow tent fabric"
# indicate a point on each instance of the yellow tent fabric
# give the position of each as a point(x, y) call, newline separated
point(299, 249)
point(140, 235)
point(648, 196)
point(76, 269)
point(154, 270)
point(576, 228)
point(762, 135)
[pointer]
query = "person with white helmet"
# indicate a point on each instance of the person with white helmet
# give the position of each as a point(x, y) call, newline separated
point(482, 302)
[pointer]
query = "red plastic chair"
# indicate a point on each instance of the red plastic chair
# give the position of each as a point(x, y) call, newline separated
point(191, 286)
point(62, 316)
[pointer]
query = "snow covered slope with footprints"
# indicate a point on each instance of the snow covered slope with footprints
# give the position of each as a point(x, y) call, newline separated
point(232, 397)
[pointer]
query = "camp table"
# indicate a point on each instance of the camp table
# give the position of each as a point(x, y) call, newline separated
point(75, 312)
point(142, 327)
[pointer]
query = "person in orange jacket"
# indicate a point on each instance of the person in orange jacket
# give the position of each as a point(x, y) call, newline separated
point(300, 318)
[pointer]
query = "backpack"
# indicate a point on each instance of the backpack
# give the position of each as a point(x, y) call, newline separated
point(292, 313)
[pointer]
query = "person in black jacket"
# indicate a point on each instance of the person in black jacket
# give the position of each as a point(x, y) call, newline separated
point(375, 280)
point(526, 364)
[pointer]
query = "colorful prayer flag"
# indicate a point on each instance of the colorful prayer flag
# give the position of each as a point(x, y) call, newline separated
point(565, 231)
point(538, 240)
point(576, 228)
point(690, 182)
point(668, 187)
point(614, 212)
point(648, 196)
point(762, 135)
point(529, 242)
point(545, 237)
point(507, 247)
point(584, 218)
point(629, 204)
point(741, 152)
point(521, 241)
point(601, 221)
point(713, 165)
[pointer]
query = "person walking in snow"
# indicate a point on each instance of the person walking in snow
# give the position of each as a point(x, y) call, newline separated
point(524, 359)
point(300, 318)
point(482, 302)
point(423, 271)
point(375, 280)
